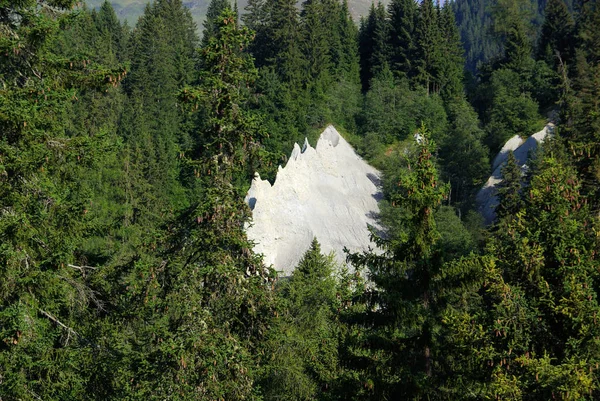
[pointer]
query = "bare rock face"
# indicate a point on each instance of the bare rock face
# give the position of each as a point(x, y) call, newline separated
point(327, 192)
point(487, 197)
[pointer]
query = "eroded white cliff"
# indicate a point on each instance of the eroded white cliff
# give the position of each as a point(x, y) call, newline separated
point(487, 197)
point(327, 192)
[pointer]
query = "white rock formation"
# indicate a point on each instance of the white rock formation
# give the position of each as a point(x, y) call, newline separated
point(487, 198)
point(327, 192)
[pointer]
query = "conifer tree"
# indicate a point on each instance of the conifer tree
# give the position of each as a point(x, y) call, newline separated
point(464, 158)
point(557, 35)
point(112, 33)
point(583, 108)
point(349, 58)
point(512, 25)
point(316, 44)
point(256, 19)
point(403, 336)
point(509, 190)
point(428, 47)
point(47, 305)
point(163, 57)
point(451, 54)
point(373, 44)
point(402, 25)
point(284, 37)
point(532, 333)
point(202, 306)
point(215, 8)
point(304, 339)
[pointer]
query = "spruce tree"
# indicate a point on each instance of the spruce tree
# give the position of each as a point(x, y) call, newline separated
point(464, 157)
point(557, 35)
point(48, 308)
point(428, 47)
point(316, 44)
point(582, 109)
point(402, 25)
point(374, 47)
point(112, 34)
point(256, 19)
point(530, 328)
point(365, 40)
point(215, 8)
point(305, 335)
point(509, 190)
point(512, 25)
point(452, 66)
point(349, 59)
point(401, 329)
point(198, 311)
point(284, 41)
point(163, 57)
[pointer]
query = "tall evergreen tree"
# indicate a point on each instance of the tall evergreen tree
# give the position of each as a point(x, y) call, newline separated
point(531, 333)
point(509, 190)
point(198, 311)
point(404, 324)
point(114, 37)
point(373, 44)
point(557, 36)
point(215, 8)
point(428, 42)
point(451, 54)
point(304, 339)
point(348, 65)
point(256, 19)
point(512, 25)
point(464, 158)
point(583, 108)
point(403, 14)
point(48, 308)
point(316, 44)
point(163, 57)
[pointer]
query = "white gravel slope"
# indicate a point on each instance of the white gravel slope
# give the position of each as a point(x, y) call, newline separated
point(327, 192)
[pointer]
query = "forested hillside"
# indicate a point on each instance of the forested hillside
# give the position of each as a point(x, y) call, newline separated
point(131, 10)
point(126, 152)
point(478, 28)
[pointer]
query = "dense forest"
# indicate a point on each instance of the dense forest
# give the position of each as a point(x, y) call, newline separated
point(126, 152)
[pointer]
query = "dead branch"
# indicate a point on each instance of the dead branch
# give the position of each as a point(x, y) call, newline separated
point(59, 323)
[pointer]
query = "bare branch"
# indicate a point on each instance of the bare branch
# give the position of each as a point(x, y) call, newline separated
point(59, 323)
point(82, 268)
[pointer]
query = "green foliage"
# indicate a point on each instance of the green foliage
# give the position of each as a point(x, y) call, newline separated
point(394, 112)
point(474, 22)
point(535, 335)
point(47, 305)
point(126, 272)
point(402, 25)
point(373, 47)
point(556, 39)
point(463, 156)
point(428, 40)
point(215, 9)
point(509, 190)
point(511, 112)
point(402, 320)
point(304, 340)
